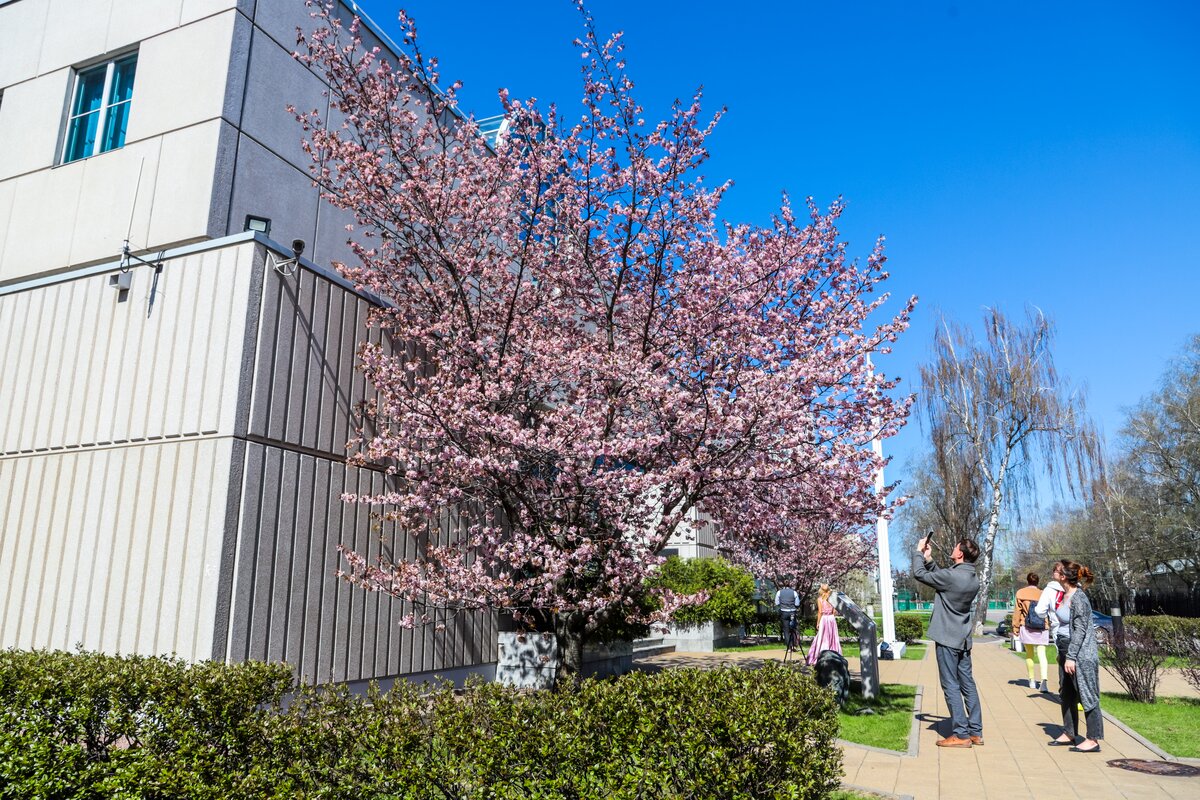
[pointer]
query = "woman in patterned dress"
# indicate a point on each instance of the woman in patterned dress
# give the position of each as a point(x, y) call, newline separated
point(1079, 657)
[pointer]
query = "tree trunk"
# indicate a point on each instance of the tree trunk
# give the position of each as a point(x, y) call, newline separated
point(570, 628)
point(983, 567)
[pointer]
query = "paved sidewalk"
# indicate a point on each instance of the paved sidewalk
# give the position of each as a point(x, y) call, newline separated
point(1017, 722)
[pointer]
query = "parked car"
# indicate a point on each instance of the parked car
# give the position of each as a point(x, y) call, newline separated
point(1104, 627)
point(1004, 627)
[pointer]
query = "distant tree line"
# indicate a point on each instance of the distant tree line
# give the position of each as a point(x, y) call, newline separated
point(999, 416)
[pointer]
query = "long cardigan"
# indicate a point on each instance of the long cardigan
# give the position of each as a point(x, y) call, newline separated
point(1084, 650)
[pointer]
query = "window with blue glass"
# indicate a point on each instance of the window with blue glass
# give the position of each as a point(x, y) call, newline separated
point(100, 108)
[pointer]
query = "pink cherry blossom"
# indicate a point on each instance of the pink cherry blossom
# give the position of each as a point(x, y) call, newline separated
point(575, 355)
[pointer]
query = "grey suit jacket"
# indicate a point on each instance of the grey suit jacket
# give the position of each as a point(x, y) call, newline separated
point(956, 587)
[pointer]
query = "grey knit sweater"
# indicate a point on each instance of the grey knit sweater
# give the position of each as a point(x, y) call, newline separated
point(1084, 650)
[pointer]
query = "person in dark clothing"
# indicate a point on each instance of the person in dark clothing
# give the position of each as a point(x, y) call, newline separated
point(788, 601)
point(950, 629)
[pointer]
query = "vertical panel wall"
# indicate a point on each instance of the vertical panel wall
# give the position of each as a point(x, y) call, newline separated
point(287, 601)
point(84, 365)
point(115, 453)
point(117, 549)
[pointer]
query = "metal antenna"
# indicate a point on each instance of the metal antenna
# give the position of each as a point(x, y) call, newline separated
point(126, 254)
point(132, 208)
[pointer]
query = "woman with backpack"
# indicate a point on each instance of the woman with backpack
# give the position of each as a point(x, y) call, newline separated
point(1032, 627)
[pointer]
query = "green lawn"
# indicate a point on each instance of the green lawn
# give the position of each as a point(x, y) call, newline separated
point(1171, 662)
point(772, 629)
point(1169, 722)
point(746, 648)
point(889, 726)
point(850, 794)
point(914, 652)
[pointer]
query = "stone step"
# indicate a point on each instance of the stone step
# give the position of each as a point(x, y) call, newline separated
point(651, 647)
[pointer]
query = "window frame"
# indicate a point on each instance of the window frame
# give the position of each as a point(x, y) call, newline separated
point(102, 112)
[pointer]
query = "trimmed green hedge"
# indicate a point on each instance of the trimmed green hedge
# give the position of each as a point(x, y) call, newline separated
point(1165, 628)
point(94, 726)
point(89, 725)
point(910, 627)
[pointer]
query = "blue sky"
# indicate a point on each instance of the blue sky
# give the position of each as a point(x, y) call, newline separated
point(1012, 153)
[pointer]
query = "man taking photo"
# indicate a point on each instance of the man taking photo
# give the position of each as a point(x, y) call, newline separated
point(788, 602)
point(950, 629)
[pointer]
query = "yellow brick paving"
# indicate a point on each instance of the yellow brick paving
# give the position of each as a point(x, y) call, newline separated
point(1017, 722)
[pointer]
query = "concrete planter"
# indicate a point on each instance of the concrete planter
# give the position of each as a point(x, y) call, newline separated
point(702, 638)
point(527, 660)
point(607, 660)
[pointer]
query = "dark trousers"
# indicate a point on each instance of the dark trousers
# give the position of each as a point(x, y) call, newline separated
point(789, 632)
point(1068, 694)
point(958, 685)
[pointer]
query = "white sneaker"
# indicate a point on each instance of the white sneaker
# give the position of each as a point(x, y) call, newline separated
point(1032, 684)
point(1046, 686)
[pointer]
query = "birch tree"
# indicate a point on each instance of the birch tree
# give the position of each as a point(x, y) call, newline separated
point(1000, 409)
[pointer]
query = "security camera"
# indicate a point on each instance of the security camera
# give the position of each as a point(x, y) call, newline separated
point(297, 247)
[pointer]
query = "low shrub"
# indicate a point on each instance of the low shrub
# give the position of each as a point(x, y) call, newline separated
point(93, 725)
point(910, 627)
point(90, 726)
point(1136, 660)
point(730, 589)
point(1165, 628)
point(1178, 636)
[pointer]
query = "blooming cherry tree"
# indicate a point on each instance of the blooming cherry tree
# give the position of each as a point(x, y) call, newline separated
point(578, 354)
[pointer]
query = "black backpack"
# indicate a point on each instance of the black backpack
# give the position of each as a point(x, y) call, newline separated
point(1033, 620)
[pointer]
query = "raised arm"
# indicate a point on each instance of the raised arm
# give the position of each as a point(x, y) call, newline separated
point(928, 574)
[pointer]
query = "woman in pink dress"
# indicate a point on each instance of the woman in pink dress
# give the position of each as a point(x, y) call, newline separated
point(827, 629)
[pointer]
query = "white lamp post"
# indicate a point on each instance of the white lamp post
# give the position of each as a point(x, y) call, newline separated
point(886, 589)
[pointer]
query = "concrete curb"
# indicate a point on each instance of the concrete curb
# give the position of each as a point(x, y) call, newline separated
point(1146, 743)
point(852, 787)
point(914, 732)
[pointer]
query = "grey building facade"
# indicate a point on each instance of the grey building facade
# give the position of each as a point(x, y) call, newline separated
point(173, 441)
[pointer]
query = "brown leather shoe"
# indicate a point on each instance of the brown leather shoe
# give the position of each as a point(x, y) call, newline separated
point(953, 741)
point(977, 741)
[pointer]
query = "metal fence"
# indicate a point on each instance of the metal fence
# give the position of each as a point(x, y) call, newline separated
point(1175, 602)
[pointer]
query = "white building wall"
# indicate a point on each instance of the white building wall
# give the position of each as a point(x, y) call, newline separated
point(115, 454)
point(115, 549)
point(80, 213)
point(209, 132)
point(81, 368)
point(171, 460)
